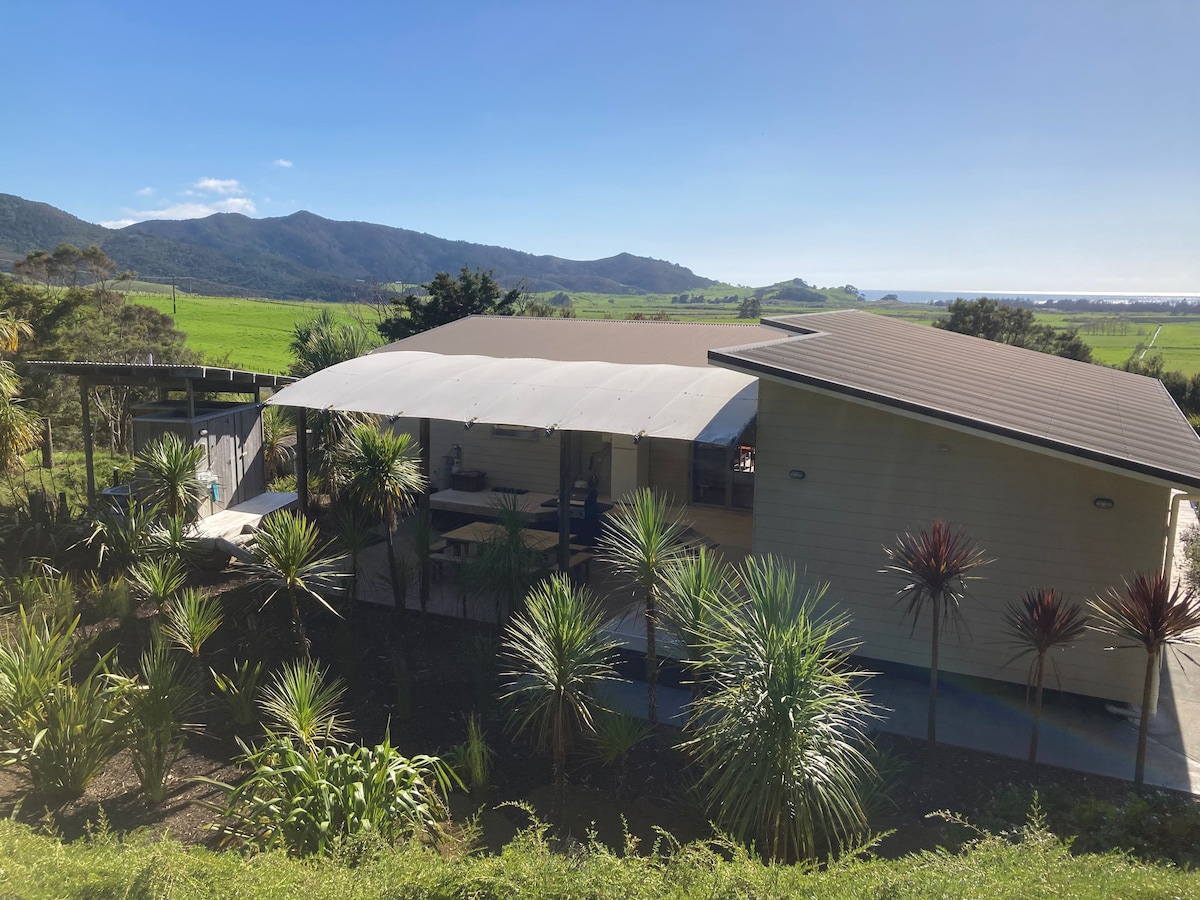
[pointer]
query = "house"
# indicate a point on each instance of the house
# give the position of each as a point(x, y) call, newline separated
point(818, 438)
point(1068, 474)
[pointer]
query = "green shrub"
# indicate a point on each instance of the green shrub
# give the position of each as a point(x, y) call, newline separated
point(1035, 865)
point(309, 800)
point(1156, 827)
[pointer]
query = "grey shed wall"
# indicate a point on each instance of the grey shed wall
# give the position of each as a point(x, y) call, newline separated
point(871, 473)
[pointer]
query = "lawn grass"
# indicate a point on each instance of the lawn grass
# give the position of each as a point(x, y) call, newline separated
point(241, 333)
point(254, 334)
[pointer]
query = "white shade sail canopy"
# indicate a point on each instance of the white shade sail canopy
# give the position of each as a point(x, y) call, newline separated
point(683, 402)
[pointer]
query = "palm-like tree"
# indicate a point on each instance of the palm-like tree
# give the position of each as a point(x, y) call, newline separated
point(696, 586)
point(171, 468)
point(289, 559)
point(936, 565)
point(322, 341)
point(277, 450)
point(780, 734)
point(19, 428)
point(1042, 621)
point(380, 471)
point(12, 330)
point(557, 657)
point(641, 540)
point(1152, 615)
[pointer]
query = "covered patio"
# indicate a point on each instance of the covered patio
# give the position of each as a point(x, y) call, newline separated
point(577, 404)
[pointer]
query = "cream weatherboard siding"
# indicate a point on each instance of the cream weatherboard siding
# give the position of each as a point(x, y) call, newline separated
point(871, 473)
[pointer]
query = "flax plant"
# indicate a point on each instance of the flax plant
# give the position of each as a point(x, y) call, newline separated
point(36, 656)
point(81, 726)
point(162, 697)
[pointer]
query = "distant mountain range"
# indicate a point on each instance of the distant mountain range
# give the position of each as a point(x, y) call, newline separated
point(305, 256)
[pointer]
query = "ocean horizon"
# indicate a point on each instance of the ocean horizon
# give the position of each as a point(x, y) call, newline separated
point(1035, 296)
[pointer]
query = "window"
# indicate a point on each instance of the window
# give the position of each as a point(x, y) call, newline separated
point(724, 476)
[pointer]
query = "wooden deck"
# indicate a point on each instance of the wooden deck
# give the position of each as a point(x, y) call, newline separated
point(230, 524)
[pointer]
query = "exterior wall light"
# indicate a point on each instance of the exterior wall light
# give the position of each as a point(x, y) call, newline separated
point(1103, 503)
point(796, 473)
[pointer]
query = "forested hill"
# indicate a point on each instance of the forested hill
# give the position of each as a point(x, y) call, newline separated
point(306, 256)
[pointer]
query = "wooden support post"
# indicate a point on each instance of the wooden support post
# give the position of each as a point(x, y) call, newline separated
point(191, 399)
point(302, 458)
point(425, 525)
point(88, 450)
point(564, 502)
point(47, 445)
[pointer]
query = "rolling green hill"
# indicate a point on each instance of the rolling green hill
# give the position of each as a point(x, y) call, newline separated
point(305, 256)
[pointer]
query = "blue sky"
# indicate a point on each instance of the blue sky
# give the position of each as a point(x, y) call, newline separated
point(1006, 146)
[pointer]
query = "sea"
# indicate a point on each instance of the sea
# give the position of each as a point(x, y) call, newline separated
point(1035, 296)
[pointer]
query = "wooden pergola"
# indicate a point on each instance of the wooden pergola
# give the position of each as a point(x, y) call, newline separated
point(190, 380)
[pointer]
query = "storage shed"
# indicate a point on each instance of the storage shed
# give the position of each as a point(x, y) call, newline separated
point(229, 430)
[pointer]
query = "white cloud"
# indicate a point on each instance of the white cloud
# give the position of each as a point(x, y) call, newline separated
point(223, 186)
point(145, 192)
point(243, 205)
point(283, 163)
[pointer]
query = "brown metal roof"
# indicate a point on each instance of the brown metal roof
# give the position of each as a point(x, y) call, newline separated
point(1078, 408)
point(205, 379)
point(584, 340)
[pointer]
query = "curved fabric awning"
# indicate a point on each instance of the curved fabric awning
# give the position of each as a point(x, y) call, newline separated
point(687, 403)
